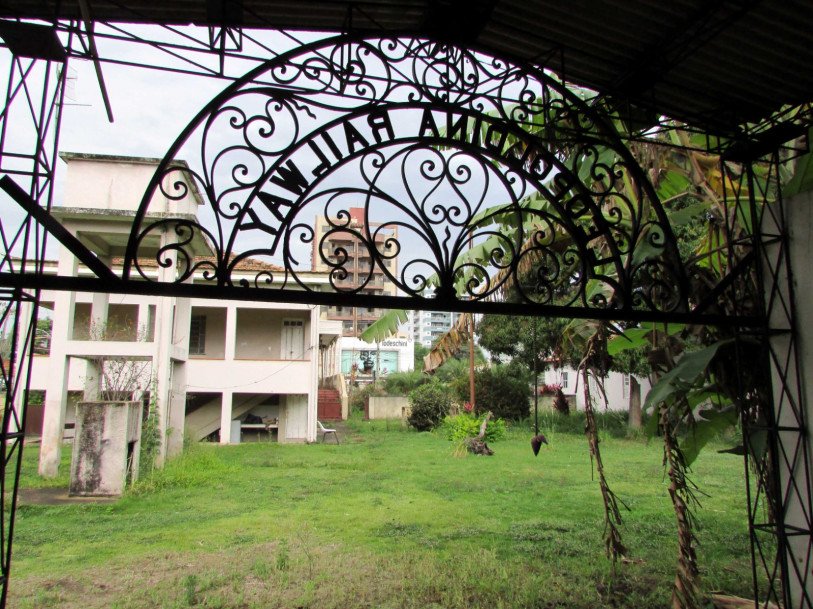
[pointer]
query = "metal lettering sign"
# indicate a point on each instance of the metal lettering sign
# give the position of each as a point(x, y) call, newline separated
point(480, 180)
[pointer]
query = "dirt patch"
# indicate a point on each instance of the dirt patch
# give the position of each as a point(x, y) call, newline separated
point(55, 495)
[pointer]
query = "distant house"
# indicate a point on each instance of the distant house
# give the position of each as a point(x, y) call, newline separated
point(223, 369)
point(617, 386)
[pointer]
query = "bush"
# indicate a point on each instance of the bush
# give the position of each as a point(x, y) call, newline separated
point(401, 383)
point(466, 425)
point(497, 390)
point(429, 404)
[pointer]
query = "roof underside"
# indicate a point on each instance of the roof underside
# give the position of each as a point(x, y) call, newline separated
point(714, 64)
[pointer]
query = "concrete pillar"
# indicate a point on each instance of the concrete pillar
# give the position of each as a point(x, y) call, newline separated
point(143, 324)
point(183, 317)
point(56, 388)
point(313, 390)
point(92, 381)
point(177, 409)
point(161, 371)
point(98, 317)
point(231, 332)
point(225, 417)
point(161, 359)
point(20, 375)
point(794, 419)
point(230, 347)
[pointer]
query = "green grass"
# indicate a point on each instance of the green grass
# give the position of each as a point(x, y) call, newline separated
point(387, 519)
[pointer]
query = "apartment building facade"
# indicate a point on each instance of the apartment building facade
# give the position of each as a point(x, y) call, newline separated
point(338, 245)
point(426, 327)
point(220, 369)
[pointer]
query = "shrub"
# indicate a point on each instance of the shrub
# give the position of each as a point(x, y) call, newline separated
point(497, 390)
point(430, 404)
point(468, 426)
point(560, 402)
point(401, 383)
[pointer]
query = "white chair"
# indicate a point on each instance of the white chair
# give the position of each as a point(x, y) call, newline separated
point(325, 431)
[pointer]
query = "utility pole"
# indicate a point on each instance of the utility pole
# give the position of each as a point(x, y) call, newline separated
point(471, 363)
point(536, 383)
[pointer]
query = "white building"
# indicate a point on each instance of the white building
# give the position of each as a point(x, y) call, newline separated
point(427, 326)
point(395, 354)
point(617, 387)
point(213, 365)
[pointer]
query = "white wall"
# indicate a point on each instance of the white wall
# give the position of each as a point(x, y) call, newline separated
point(792, 469)
point(107, 183)
point(617, 395)
point(296, 418)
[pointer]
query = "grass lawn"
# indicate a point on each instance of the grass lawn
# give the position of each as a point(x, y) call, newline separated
point(389, 518)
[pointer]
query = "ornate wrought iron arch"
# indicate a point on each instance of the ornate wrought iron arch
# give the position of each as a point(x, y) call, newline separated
point(570, 126)
point(511, 187)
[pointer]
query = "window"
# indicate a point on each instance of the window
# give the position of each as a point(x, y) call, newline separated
point(564, 380)
point(197, 335)
point(625, 392)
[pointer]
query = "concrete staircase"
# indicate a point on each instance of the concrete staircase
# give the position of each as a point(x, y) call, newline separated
point(206, 419)
point(329, 405)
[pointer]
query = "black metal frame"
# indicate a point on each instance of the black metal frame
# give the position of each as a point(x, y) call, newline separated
point(33, 102)
point(651, 289)
point(778, 485)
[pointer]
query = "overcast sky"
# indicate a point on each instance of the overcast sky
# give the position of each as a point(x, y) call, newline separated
point(151, 108)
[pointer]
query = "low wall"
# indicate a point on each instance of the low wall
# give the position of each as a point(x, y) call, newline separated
point(386, 407)
point(546, 402)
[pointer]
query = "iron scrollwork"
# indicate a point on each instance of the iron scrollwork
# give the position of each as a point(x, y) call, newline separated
point(479, 179)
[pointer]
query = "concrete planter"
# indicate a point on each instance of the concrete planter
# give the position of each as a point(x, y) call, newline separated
point(106, 448)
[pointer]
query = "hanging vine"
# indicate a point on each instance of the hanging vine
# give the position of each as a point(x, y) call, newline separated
point(595, 365)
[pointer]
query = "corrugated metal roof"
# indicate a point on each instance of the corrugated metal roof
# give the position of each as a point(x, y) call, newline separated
point(713, 64)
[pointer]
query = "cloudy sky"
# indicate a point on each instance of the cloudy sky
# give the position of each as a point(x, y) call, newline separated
point(152, 107)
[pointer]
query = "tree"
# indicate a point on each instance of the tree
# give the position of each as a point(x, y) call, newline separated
point(420, 353)
point(699, 192)
point(429, 405)
point(514, 337)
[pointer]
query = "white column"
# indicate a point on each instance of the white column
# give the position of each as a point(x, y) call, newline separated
point(98, 316)
point(225, 417)
point(56, 387)
point(230, 346)
point(161, 360)
point(143, 321)
point(177, 408)
point(231, 333)
point(313, 391)
point(799, 221)
point(21, 365)
point(183, 318)
point(99, 330)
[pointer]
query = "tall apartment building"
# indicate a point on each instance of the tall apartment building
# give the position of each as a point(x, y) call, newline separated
point(360, 267)
point(427, 326)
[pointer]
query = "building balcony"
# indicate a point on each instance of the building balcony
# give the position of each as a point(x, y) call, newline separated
point(249, 375)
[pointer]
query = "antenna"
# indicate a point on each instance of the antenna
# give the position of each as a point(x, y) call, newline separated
point(71, 78)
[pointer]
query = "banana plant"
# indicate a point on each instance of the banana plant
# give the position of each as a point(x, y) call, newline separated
point(699, 193)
